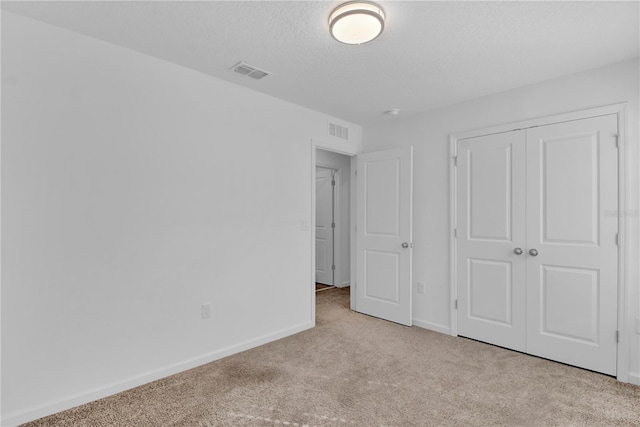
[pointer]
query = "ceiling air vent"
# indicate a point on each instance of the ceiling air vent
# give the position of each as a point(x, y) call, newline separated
point(250, 71)
point(338, 131)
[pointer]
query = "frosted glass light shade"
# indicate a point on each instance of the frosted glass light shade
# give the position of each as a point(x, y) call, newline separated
point(356, 22)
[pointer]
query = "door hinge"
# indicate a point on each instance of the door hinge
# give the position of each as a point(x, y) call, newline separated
point(617, 336)
point(456, 304)
point(333, 267)
point(333, 182)
point(455, 160)
point(617, 239)
point(455, 233)
point(333, 225)
point(356, 172)
point(617, 137)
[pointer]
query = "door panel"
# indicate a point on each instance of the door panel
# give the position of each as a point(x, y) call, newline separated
point(382, 273)
point(563, 288)
point(383, 285)
point(382, 197)
point(572, 176)
point(569, 174)
point(490, 290)
point(489, 182)
point(324, 231)
point(491, 224)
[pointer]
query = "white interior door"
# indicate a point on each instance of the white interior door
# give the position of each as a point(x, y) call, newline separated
point(572, 281)
point(491, 233)
point(324, 229)
point(545, 190)
point(384, 233)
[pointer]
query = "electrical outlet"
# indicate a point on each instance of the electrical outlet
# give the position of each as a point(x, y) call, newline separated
point(206, 310)
point(421, 286)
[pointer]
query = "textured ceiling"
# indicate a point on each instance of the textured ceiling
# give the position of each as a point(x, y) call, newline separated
point(431, 53)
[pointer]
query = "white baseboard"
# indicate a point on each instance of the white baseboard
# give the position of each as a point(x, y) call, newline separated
point(634, 378)
point(343, 285)
point(432, 326)
point(117, 387)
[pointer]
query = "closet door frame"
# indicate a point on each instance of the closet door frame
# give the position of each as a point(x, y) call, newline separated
point(620, 110)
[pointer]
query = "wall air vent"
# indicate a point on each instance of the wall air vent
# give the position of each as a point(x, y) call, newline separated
point(249, 70)
point(338, 131)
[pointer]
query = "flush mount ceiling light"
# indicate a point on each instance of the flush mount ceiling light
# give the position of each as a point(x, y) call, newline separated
point(356, 22)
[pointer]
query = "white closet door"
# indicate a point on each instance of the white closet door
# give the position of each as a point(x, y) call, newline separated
point(491, 225)
point(572, 178)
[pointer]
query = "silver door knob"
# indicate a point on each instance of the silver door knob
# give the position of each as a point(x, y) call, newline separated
point(533, 252)
point(405, 245)
point(517, 251)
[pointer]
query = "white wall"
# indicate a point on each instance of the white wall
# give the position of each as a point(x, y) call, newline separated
point(429, 134)
point(342, 163)
point(133, 191)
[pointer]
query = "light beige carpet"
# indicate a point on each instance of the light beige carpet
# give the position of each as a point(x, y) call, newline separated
point(354, 370)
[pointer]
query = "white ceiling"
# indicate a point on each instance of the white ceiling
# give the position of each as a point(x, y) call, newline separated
point(431, 53)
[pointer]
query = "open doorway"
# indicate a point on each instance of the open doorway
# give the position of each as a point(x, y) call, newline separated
point(332, 220)
point(376, 277)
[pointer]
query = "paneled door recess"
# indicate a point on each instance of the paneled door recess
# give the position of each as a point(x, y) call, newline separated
point(537, 259)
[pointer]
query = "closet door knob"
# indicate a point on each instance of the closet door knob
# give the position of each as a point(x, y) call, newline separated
point(517, 251)
point(533, 252)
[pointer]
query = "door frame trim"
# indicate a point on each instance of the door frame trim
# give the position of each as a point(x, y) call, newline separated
point(623, 249)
